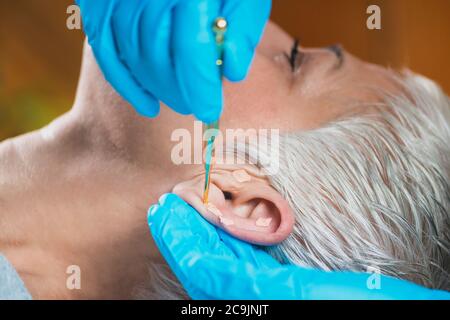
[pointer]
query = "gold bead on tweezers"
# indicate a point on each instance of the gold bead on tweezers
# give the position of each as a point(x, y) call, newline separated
point(219, 28)
point(220, 24)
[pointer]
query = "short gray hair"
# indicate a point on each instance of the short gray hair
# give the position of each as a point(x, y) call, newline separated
point(372, 191)
point(369, 191)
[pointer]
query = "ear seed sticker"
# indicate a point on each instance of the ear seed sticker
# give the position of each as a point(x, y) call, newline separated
point(241, 176)
point(213, 209)
point(226, 222)
point(263, 222)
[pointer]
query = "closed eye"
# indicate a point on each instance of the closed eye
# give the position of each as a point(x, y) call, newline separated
point(295, 57)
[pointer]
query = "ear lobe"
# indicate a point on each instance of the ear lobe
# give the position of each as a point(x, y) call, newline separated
point(255, 213)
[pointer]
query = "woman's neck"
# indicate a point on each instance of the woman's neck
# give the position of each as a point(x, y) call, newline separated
point(89, 178)
point(112, 124)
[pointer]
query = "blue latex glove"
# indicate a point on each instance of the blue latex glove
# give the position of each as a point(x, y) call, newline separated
point(213, 265)
point(165, 50)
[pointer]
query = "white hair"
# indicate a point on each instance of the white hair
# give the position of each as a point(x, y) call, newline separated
point(370, 191)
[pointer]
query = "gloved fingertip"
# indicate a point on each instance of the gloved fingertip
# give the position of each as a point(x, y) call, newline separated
point(238, 74)
point(238, 60)
point(209, 114)
point(208, 118)
point(167, 199)
point(148, 110)
point(151, 212)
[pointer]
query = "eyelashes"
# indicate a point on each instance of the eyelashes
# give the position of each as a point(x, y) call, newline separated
point(295, 57)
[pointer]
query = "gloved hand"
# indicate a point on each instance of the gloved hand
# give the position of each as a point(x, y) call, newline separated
point(166, 50)
point(213, 265)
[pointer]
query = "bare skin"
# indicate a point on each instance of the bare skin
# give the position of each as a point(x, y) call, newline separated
point(77, 191)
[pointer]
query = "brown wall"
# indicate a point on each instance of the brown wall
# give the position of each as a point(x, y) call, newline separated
point(415, 33)
point(40, 58)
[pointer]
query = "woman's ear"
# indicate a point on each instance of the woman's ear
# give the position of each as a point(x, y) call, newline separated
point(242, 204)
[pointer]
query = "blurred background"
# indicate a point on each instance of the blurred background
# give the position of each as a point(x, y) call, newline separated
point(40, 58)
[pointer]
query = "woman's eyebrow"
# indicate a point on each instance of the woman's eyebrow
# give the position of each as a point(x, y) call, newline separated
point(338, 51)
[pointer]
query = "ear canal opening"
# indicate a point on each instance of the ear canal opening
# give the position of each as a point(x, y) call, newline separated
point(227, 195)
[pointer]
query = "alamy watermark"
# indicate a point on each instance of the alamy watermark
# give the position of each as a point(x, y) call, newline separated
point(374, 20)
point(73, 281)
point(373, 281)
point(232, 146)
point(73, 21)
